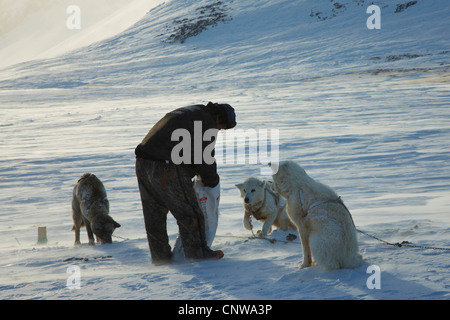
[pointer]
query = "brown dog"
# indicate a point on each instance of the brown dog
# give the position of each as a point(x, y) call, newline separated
point(90, 208)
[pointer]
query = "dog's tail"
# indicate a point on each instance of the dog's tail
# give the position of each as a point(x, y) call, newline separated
point(82, 225)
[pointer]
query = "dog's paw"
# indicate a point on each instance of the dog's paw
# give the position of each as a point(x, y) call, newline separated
point(248, 226)
point(261, 234)
point(305, 265)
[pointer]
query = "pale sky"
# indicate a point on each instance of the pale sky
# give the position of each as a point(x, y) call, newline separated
point(31, 29)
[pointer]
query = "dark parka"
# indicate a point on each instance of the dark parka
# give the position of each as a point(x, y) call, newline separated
point(158, 144)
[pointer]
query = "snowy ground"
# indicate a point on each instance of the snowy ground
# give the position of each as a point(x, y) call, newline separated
point(364, 111)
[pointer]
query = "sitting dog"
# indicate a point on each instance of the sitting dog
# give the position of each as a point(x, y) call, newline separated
point(90, 208)
point(261, 202)
point(324, 223)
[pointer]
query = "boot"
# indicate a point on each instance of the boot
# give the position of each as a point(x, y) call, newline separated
point(209, 255)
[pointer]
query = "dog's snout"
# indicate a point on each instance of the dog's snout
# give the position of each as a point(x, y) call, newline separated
point(246, 200)
point(106, 239)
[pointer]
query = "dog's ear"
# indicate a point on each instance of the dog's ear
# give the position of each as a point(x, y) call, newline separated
point(261, 184)
point(239, 186)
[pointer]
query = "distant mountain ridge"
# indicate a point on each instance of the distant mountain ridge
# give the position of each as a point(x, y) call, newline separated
point(201, 45)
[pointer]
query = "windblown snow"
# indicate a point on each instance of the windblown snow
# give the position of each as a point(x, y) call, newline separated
point(365, 111)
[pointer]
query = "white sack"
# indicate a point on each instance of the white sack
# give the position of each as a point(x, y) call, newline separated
point(209, 199)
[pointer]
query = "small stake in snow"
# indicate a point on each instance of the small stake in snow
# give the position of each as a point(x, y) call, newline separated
point(42, 235)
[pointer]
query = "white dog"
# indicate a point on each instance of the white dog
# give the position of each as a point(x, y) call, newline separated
point(264, 204)
point(324, 223)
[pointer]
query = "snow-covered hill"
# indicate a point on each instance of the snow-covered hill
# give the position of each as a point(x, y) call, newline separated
point(364, 111)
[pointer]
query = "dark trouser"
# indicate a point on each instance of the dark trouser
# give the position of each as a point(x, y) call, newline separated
point(167, 187)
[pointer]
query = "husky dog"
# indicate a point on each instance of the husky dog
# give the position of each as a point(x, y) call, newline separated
point(90, 208)
point(324, 223)
point(263, 203)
